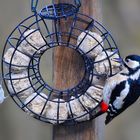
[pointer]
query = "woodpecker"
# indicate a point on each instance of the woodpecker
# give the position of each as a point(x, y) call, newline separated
point(122, 89)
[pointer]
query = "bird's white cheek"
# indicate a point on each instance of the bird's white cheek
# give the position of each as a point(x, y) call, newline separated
point(133, 64)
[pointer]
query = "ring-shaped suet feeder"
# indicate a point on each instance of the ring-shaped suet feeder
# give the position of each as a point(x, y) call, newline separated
point(25, 47)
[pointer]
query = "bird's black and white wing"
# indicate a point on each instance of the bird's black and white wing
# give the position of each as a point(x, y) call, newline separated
point(117, 100)
point(111, 84)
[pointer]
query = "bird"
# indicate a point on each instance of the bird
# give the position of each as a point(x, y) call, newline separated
point(123, 89)
point(2, 97)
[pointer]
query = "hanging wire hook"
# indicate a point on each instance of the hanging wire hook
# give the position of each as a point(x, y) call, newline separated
point(34, 4)
point(78, 3)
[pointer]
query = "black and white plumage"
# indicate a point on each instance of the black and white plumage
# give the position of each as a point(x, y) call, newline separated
point(123, 89)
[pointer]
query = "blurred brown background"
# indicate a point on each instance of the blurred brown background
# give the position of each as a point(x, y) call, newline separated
point(122, 18)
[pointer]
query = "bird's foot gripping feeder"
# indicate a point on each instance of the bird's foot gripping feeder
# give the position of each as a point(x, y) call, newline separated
point(25, 47)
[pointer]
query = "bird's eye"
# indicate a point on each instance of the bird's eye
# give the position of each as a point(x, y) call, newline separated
point(127, 60)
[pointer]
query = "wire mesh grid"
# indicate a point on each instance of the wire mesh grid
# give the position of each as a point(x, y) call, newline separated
point(57, 10)
point(21, 58)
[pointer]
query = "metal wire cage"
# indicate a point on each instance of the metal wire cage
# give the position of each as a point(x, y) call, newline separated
point(57, 10)
point(21, 57)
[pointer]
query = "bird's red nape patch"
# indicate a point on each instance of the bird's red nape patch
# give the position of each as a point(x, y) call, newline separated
point(104, 107)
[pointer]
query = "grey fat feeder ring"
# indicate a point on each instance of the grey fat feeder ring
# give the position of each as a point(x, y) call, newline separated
point(21, 65)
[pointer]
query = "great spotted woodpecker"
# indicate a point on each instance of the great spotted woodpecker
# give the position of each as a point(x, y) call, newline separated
point(123, 89)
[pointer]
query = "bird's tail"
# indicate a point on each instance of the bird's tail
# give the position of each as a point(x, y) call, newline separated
point(108, 119)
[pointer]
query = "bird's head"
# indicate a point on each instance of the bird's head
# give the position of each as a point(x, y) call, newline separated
point(132, 62)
